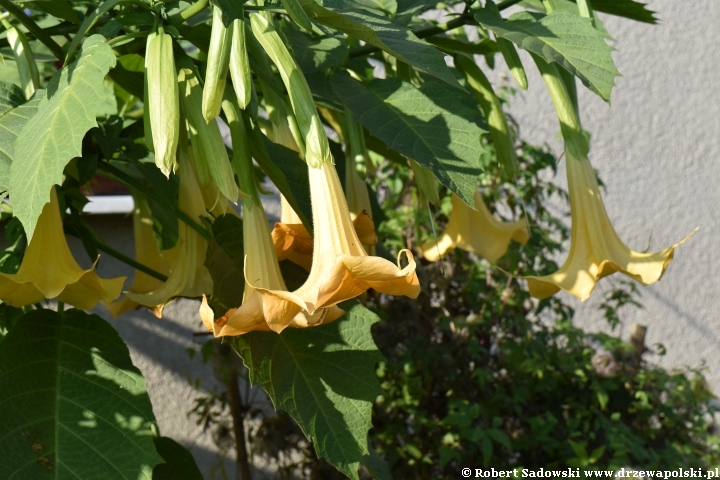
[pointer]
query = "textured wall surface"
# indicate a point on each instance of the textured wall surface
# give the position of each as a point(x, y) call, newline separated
point(657, 148)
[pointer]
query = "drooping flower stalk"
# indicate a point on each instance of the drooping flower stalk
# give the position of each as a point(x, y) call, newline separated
point(48, 270)
point(595, 248)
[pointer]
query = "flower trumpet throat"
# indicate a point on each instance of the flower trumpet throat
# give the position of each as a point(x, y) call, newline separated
point(595, 248)
point(48, 270)
point(476, 231)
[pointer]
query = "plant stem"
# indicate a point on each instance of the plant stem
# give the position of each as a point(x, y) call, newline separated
point(507, 4)
point(116, 174)
point(237, 409)
point(420, 33)
point(188, 13)
point(33, 27)
point(127, 36)
point(132, 262)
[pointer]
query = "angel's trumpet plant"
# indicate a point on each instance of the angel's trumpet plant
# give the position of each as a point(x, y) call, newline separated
point(261, 263)
point(341, 269)
point(476, 231)
point(148, 253)
point(189, 276)
point(48, 270)
point(595, 248)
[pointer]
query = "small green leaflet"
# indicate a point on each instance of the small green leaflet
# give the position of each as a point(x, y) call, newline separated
point(53, 136)
point(436, 126)
point(324, 377)
point(394, 39)
point(73, 405)
point(14, 114)
point(566, 39)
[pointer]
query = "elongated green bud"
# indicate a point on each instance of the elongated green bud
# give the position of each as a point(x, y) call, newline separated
point(239, 65)
point(317, 149)
point(492, 109)
point(297, 14)
point(242, 158)
point(218, 61)
point(24, 58)
point(146, 103)
point(162, 101)
point(212, 161)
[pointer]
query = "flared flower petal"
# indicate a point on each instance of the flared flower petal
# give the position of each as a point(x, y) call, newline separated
point(148, 253)
point(595, 248)
point(48, 270)
point(189, 276)
point(341, 269)
point(476, 231)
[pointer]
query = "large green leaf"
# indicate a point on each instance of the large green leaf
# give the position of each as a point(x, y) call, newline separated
point(225, 260)
point(569, 40)
point(52, 137)
point(179, 462)
point(324, 377)
point(14, 114)
point(436, 126)
point(316, 54)
point(626, 8)
point(396, 40)
point(73, 406)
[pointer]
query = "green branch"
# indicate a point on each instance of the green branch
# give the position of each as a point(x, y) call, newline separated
point(130, 261)
point(33, 28)
point(118, 175)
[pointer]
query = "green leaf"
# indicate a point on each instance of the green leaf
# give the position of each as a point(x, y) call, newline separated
point(380, 7)
point(15, 114)
point(316, 54)
point(568, 40)
point(225, 261)
point(179, 462)
point(324, 377)
point(376, 465)
point(129, 73)
point(394, 39)
point(436, 126)
point(626, 8)
point(58, 8)
point(52, 137)
point(452, 46)
point(85, 27)
point(73, 404)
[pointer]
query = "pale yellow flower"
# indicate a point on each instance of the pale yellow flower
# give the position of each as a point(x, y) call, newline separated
point(48, 270)
point(148, 253)
point(476, 231)
point(188, 277)
point(595, 248)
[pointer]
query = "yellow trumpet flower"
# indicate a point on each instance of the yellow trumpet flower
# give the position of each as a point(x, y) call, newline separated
point(595, 248)
point(261, 263)
point(341, 269)
point(147, 253)
point(189, 276)
point(476, 231)
point(48, 270)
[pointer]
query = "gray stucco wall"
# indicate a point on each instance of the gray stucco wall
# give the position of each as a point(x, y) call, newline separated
point(657, 150)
